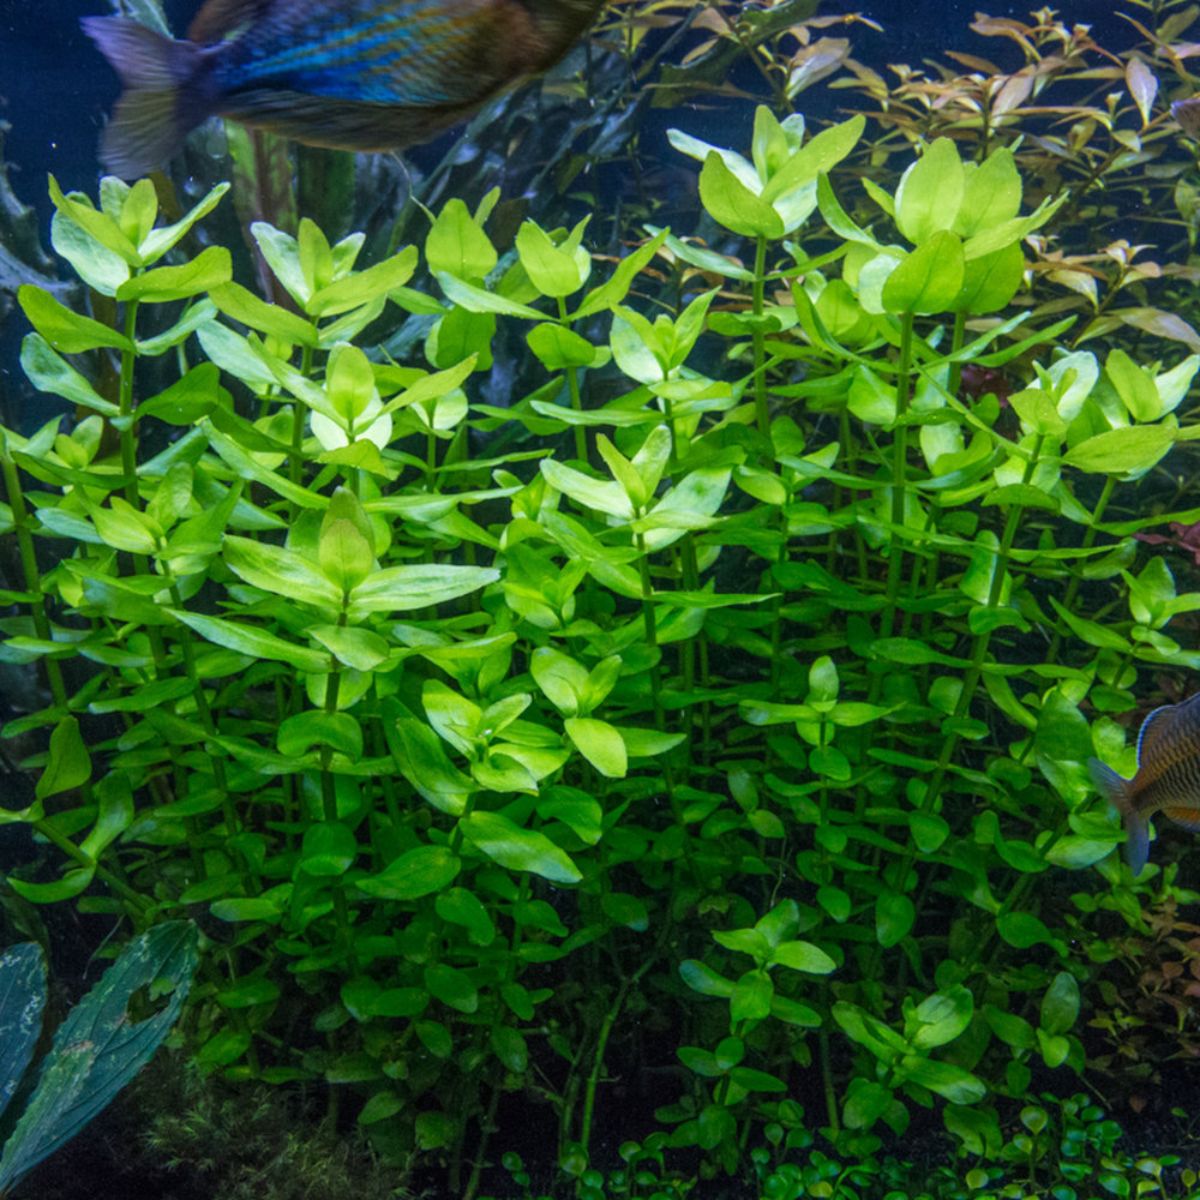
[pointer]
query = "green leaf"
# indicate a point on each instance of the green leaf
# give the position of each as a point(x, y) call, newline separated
point(476, 299)
point(509, 1047)
point(243, 305)
point(380, 1107)
point(991, 281)
point(50, 373)
point(361, 287)
point(599, 495)
point(246, 908)
point(818, 155)
point(257, 643)
point(1060, 1005)
point(955, 1084)
point(703, 979)
point(732, 204)
point(929, 279)
point(415, 873)
point(803, 956)
point(757, 1081)
point(561, 678)
point(1010, 1028)
point(600, 743)
point(209, 269)
point(942, 1017)
point(751, 999)
point(66, 331)
point(280, 571)
point(329, 848)
point(246, 993)
point(894, 916)
point(192, 396)
point(339, 731)
point(458, 245)
point(991, 193)
point(553, 270)
point(422, 759)
point(158, 241)
point(518, 849)
point(1135, 386)
point(401, 589)
point(68, 764)
point(114, 814)
point(79, 210)
point(353, 647)
point(452, 987)
point(1022, 930)
point(558, 348)
point(462, 907)
point(929, 196)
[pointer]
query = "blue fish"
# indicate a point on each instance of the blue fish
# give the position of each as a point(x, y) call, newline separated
point(348, 74)
point(1167, 778)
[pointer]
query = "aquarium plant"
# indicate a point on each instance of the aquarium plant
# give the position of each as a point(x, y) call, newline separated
point(698, 732)
point(102, 1044)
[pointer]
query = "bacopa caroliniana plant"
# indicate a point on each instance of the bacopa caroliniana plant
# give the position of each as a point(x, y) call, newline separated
point(761, 703)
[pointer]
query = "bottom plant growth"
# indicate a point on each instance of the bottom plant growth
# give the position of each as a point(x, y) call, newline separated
point(679, 772)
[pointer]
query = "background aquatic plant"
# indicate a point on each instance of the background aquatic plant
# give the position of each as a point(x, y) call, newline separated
point(101, 1045)
point(714, 710)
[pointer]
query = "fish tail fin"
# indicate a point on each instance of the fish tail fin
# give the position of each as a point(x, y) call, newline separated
point(1115, 789)
point(165, 93)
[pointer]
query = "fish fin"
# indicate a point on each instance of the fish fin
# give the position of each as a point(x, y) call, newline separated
point(1155, 727)
point(1115, 789)
point(1163, 721)
point(163, 100)
point(218, 19)
point(340, 124)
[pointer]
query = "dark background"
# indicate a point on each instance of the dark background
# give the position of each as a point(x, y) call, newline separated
point(55, 89)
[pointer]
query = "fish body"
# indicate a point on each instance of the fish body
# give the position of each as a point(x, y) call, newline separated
point(348, 74)
point(1167, 778)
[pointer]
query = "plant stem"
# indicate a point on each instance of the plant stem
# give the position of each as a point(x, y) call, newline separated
point(1089, 538)
point(899, 473)
point(33, 579)
point(125, 400)
point(581, 446)
point(762, 415)
point(651, 630)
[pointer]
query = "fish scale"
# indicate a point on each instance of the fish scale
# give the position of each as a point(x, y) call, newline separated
point(348, 74)
point(1167, 780)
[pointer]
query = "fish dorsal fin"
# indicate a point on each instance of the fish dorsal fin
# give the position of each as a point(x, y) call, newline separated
point(1164, 722)
point(217, 19)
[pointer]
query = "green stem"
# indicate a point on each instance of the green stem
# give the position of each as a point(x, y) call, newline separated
point(125, 401)
point(33, 579)
point(982, 640)
point(899, 474)
point(68, 847)
point(581, 446)
point(651, 630)
point(295, 459)
point(762, 415)
point(1089, 539)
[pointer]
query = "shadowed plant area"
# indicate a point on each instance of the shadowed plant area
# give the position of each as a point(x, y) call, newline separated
point(620, 721)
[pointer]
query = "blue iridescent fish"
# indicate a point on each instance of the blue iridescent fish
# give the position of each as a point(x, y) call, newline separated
point(349, 74)
point(1167, 779)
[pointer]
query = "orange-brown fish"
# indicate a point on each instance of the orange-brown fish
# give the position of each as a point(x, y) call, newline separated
point(349, 74)
point(1167, 779)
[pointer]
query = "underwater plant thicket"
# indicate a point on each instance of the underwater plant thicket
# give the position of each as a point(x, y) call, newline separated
point(709, 722)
